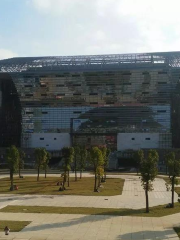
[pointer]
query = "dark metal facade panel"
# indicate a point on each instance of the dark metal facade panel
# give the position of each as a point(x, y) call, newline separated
point(92, 61)
point(97, 95)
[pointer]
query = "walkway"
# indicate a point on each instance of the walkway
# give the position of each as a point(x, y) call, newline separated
point(87, 227)
point(133, 197)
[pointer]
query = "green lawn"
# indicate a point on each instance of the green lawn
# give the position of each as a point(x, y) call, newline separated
point(48, 186)
point(158, 211)
point(14, 226)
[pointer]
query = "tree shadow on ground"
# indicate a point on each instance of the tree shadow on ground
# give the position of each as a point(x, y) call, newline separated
point(149, 235)
point(67, 223)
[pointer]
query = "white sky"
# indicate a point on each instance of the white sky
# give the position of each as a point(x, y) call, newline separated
point(75, 27)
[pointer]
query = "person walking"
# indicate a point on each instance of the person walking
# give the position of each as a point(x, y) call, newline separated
point(6, 230)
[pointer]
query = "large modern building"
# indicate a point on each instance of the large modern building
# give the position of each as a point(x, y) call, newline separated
point(126, 101)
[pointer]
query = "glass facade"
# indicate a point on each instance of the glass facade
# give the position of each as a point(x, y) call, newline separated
point(96, 103)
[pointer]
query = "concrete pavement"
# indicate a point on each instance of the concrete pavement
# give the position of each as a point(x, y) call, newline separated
point(132, 197)
point(80, 227)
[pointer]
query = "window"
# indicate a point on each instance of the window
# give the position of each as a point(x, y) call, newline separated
point(109, 74)
point(61, 94)
point(45, 104)
point(76, 75)
point(44, 112)
point(162, 72)
point(132, 138)
point(91, 94)
point(148, 139)
point(54, 138)
point(93, 102)
point(162, 82)
point(28, 86)
point(76, 94)
point(126, 74)
point(109, 102)
point(146, 83)
point(92, 84)
point(29, 104)
point(77, 85)
point(43, 94)
point(109, 93)
point(77, 112)
point(43, 85)
point(41, 138)
point(126, 84)
point(60, 85)
point(59, 75)
point(29, 112)
point(161, 111)
point(27, 76)
point(29, 95)
point(145, 92)
point(110, 84)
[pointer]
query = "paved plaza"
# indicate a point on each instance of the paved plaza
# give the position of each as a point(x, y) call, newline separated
point(132, 197)
point(99, 227)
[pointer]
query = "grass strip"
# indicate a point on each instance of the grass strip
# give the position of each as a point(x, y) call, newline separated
point(158, 211)
point(48, 186)
point(14, 226)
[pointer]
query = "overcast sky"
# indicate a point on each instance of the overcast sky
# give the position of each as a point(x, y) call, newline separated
point(77, 27)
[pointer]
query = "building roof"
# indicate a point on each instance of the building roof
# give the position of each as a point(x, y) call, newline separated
point(90, 62)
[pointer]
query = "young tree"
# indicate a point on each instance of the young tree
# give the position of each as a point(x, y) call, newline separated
point(21, 161)
point(105, 152)
point(173, 167)
point(76, 158)
point(40, 158)
point(82, 159)
point(46, 162)
point(68, 155)
point(100, 173)
point(12, 157)
point(96, 160)
point(138, 157)
point(148, 170)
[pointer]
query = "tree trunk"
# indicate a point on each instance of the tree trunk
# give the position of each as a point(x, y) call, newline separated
point(80, 174)
point(75, 170)
point(19, 172)
point(45, 172)
point(173, 192)
point(38, 174)
point(99, 180)
point(63, 183)
point(64, 180)
point(95, 182)
point(104, 174)
point(147, 199)
point(12, 180)
point(68, 178)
